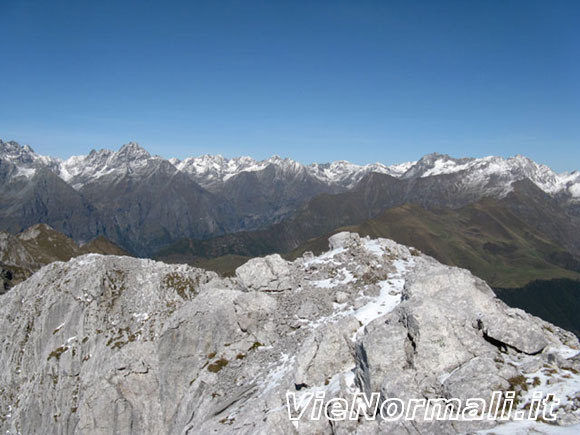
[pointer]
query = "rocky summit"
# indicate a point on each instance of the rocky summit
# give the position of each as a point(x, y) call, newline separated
point(109, 344)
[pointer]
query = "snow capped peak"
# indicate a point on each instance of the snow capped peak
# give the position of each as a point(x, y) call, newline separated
point(287, 165)
point(399, 169)
point(209, 170)
point(132, 151)
point(436, 164)
point(25, 159)
point(276, 158)
point(78, 170)
point(495, 175)
point(488, 175)
point(14, 149)
point(347, 174)
point(15, 152)
point(213, 170)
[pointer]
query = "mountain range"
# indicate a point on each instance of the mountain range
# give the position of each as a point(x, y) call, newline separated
point(145, 203)
point(508, 239)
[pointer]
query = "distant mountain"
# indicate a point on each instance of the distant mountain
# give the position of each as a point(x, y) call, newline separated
point(32, 193)
point(23, 254)
point(213, 172)
point(523, 236)
point(145, 203)
point(492, 238)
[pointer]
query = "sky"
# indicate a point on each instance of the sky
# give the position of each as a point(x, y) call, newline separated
point(316, 81)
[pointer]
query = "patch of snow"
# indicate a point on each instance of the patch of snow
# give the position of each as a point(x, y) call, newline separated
point(325, 258)
point(444, 167)
point(25, 172)
point(374, 247)
point(574, 190)
point(388, 299)
point(547, 380)
point(86, 259)
point(276, 375)
point(564, 352)
point(30, 233)
point(333, 282)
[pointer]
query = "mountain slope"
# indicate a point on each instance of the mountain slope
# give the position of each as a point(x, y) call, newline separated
point(269, 195)
point(501, 241)
point(23, 254)
point(126, 345)
point(526, 235)
point(145, 202)
point(487, 238)
point(44, 198)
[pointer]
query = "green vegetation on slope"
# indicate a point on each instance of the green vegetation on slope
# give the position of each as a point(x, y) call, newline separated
point(24, 253)
point(486, 238)
point(526, 235)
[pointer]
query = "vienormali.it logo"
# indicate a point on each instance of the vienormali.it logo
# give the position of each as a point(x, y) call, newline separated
point(501, 407)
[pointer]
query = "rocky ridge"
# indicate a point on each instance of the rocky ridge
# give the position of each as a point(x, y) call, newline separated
point(105, 344)
point(24, 253)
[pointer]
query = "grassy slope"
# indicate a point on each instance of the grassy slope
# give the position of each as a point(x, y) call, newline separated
point(508, 242)
point(48, 245)
point(485, 238)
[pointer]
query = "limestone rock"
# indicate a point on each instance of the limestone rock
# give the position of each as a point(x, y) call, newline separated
point(270, 273)
point(104, 344)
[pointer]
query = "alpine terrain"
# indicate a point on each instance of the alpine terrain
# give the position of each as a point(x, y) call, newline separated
point(23, 254)
point(145, 203)
point(510, 221)
point(108, 344)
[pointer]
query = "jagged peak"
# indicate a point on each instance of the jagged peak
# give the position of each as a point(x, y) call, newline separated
point(132, 150)
point(13, 148)
point(434, 156)
point(215, 169)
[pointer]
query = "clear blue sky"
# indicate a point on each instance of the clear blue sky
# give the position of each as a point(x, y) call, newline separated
point(315, 80)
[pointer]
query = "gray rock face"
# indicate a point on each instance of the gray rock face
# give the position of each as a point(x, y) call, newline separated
point(515, 332)
point(123, 345)
point(270, 273)
point(343, 240)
